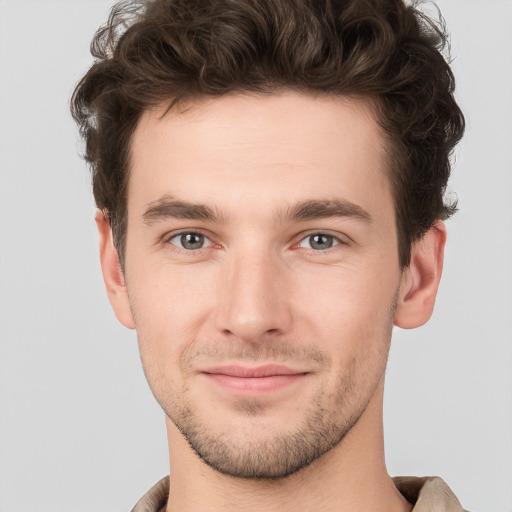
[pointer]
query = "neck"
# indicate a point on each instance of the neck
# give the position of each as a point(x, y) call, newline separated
point(350, 477)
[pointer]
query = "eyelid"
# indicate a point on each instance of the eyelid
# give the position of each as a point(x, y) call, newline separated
point(341, 239)
point(207, 241)
point(166, 239)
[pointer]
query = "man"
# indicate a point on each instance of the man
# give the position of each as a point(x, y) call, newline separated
point(269, 176)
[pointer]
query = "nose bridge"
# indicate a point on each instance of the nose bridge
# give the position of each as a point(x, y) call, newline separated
point(255, 300)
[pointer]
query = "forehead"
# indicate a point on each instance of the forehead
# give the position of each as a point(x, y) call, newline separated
point(292, 144)
point(255, 118)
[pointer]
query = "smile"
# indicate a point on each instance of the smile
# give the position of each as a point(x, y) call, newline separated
point(260, 380)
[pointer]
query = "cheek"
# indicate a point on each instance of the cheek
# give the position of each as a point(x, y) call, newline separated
point(165, 296)
point(169, 307)
point(356, 330)
point(350, 313)
point(348, 297)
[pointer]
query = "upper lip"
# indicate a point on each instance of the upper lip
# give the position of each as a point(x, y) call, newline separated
point(267, 370)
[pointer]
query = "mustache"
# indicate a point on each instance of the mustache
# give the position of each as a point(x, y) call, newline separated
point(275, 351)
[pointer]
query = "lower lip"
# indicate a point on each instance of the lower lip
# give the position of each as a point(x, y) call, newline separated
point(254, 385)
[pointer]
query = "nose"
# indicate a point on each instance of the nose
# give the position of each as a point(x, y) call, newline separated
point(254, 298)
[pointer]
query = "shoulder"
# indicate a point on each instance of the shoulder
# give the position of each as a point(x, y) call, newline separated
point(155, 499)
point(428, 494)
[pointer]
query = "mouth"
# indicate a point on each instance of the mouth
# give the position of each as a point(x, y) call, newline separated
point(251, 381)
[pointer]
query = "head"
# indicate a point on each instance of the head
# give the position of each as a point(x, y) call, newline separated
point(271, 176)
point(383, 51)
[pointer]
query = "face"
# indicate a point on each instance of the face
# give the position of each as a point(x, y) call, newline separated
point(262, 273)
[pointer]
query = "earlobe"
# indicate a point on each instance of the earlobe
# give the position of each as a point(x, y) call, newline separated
point(112, 273)
point(420, 280)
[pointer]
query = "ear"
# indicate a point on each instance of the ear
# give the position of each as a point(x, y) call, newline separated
point(112, 273)
point(420, 280)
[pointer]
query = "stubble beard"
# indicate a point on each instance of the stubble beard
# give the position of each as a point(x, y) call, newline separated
point(268, 458)
point(276, 455)
point(325, 424)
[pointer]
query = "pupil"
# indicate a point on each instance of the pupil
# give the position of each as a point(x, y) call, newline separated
point(192, 241)
point(321, 242)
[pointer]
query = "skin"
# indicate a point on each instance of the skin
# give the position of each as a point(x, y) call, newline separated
point(293, 262)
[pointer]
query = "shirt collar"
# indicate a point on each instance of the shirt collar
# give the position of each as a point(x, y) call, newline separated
point(428, 494)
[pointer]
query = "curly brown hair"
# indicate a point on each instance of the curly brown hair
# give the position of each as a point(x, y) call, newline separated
point(156, 51)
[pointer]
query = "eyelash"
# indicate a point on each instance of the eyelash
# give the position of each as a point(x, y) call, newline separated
point(168, 240)
point(337, 241)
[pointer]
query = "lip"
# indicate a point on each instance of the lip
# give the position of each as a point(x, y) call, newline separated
point(242, 380)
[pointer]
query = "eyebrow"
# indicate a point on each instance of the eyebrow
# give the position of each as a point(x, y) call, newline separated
point(323, 209)
point(169, 208)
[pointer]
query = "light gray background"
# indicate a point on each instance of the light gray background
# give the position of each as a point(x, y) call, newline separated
point(78, 427)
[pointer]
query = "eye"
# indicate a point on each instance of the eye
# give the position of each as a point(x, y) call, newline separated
point(190, 241)
point(319, 242)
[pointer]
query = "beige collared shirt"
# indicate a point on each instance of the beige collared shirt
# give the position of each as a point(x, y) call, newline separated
point(428, 494)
